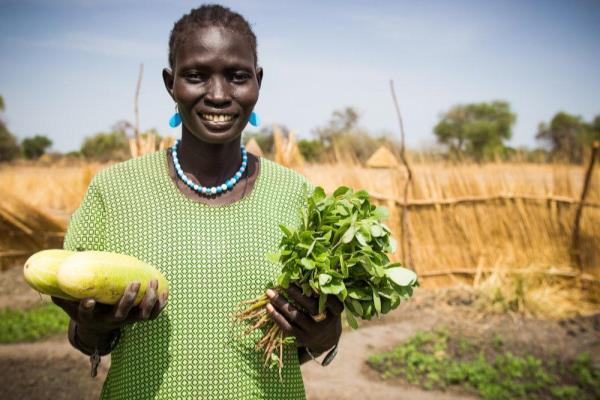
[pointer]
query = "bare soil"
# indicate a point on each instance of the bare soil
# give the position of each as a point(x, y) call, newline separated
point(51, 369)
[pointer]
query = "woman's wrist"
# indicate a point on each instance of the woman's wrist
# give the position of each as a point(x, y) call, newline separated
point(88, 341)
point(304, 354)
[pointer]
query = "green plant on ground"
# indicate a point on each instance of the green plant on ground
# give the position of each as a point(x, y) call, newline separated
point(32, 324)
point(437, 360)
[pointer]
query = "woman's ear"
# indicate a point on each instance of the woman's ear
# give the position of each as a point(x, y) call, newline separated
point(259, 75)
point(168, 80)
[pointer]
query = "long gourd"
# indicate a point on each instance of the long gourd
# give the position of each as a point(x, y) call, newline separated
point(40, 271)
point(105, 276)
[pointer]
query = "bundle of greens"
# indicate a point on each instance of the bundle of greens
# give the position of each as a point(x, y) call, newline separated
point(339, 250)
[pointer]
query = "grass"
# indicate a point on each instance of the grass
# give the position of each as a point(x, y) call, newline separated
point(437, 360)
point(32, 324)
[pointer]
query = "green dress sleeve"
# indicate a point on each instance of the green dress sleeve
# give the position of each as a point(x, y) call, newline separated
point(87, 227)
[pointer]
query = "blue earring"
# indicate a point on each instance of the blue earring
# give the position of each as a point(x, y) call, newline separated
point(254, 120)
point(175, 120)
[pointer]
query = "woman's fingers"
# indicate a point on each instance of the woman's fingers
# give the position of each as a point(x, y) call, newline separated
point(125, 304)
point(290, 312)
point(159, 306)
point(284, 324)
point(85, 311)
point(149, 300)
point(312, 304)
point(309, 304)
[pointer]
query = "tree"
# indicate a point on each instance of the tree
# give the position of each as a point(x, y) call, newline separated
point(9, 147)
point(567, 136)
point(35, 147)
point(311, 150)
point(342, 121)
point(341, 136)
point(477, 129)
point(592, 132)
point(106, 146)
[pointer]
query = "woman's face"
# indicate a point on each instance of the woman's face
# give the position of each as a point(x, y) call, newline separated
point(215, 83)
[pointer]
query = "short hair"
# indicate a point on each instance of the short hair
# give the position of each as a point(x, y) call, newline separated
point(209, 15)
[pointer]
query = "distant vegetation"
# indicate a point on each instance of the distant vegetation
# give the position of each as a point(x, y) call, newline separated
point(568, 136)
point(9, 149)
point(35, 147)
point(340, 135)
point(474, 131)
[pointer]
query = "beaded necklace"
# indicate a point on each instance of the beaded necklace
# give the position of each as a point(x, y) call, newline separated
point(228, 185)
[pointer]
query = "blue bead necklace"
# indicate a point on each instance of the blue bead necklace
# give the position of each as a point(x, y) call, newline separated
point(228, 185)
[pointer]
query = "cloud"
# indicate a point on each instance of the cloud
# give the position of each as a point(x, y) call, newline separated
point(97, 44)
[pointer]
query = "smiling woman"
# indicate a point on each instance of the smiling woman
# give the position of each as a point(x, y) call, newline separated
point(215, 82)
point(205, 213)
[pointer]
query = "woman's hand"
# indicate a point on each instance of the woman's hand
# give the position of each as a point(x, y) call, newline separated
point(316, 336)
point(101, 318)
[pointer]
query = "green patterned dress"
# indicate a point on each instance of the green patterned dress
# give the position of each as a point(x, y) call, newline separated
point(213, 257)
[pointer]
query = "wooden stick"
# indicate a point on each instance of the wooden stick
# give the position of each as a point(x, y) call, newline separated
point(405, 235)
point(138, 142)
point(575, 245)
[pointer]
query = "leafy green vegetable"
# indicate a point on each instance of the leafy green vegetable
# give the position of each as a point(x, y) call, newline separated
point(340, 249)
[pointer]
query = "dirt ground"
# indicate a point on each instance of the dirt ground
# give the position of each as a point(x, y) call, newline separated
point(51, 369)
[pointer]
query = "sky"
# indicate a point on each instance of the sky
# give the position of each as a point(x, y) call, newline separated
point(69, 67)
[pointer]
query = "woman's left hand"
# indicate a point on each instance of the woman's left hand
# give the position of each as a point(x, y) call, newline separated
point(317, 336)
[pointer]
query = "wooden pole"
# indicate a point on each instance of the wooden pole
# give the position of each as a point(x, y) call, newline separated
point(405, 235)
point(575, 241)
point(138, 142)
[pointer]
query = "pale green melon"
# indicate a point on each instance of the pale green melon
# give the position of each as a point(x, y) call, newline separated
point(104, 276)
point(40, 272)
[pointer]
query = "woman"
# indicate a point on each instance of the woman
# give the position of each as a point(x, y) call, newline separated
point(205, 213)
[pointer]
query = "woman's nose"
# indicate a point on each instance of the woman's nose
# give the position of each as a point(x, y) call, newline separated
point(218, 92)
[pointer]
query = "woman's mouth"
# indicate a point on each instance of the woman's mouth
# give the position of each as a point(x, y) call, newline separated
point(218, 121)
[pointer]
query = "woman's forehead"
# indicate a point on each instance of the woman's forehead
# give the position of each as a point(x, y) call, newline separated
point(211, 43)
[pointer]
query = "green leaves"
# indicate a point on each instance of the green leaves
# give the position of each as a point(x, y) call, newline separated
point(340, 250)
point(349, 235)
point(401, 276)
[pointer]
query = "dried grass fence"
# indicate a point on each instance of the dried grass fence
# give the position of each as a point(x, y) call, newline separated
point(465, 217)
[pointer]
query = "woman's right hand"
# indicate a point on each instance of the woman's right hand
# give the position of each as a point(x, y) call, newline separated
point(101, 318)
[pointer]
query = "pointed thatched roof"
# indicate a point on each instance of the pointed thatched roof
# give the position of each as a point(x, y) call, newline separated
point(382, 158)
point(253, 147)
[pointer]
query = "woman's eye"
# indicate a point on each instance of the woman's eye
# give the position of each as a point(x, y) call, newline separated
point(195, 77)
point(240, 77)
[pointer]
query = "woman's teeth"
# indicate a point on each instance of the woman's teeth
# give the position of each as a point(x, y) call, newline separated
point(217, 117)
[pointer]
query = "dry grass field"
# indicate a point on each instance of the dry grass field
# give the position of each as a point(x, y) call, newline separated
point(495, 226)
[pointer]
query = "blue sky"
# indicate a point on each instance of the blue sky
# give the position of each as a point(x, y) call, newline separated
point(69, 67)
